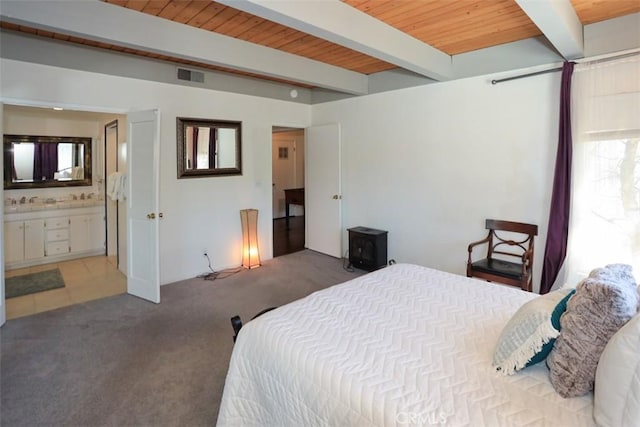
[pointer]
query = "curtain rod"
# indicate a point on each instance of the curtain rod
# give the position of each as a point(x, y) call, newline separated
point(580, 61)
point(506, 79)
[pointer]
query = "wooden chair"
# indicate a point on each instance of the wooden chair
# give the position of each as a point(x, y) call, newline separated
point(498, 270)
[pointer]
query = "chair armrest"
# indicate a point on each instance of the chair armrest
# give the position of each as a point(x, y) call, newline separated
point(527, 256)
point(479, 242)
point(473, 244)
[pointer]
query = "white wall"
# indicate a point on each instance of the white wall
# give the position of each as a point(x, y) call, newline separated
point(199, 213)
point(430, 164)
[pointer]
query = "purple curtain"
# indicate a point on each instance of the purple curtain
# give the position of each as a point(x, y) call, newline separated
point(45, 161)
point(37, 162)
point(555, 249)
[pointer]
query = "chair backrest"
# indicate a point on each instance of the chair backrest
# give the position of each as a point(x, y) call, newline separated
point(526, 244)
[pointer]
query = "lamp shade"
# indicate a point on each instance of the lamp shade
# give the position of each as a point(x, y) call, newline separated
point(250, 252)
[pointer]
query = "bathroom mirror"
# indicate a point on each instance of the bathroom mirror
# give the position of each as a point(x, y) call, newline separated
point(208, 148)
point(46, 161)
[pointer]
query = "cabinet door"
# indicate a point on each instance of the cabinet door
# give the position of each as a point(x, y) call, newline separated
point(13, 241)
point(34, 239)
point(96, 231)
point(79, 233)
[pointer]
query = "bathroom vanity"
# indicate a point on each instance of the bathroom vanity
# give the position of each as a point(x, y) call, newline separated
point(41, 233)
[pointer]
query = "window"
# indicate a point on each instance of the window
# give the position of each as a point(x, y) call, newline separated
point(605, 206)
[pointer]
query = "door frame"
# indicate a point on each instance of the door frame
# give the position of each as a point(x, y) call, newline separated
point(3, 305)
point(292, 126)
point(40, 104)
point(294, 155)
point(112, 124)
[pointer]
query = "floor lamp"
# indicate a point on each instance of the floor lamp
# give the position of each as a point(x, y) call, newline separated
point(250, 253)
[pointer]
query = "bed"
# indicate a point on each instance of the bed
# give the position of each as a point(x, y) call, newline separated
point(404, 345)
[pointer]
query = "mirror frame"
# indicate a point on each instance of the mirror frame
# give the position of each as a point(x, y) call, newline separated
point(8, 161)
point(181, 126)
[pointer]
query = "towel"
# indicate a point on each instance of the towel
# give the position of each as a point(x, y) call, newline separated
point(77, 172)
point(116, 186)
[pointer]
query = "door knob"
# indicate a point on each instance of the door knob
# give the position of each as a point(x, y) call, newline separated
point(161, 215)
point(151, 215)
point(336, 197)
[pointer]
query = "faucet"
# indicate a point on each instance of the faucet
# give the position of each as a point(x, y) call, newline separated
point(74, 197)
point(32, 199)
point(81, 196)
point(90, 196)
point(23, 200)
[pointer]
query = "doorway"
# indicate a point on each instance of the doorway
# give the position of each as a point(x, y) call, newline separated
point(288, 148)
point(93, 272)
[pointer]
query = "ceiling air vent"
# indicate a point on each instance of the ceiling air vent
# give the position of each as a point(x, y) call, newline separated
point(190, 75)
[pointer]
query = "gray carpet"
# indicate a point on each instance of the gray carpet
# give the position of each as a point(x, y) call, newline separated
point(122, 361)
point(33, 282)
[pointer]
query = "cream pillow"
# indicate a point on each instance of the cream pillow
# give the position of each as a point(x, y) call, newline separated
point(529, 335)
point(617, 388)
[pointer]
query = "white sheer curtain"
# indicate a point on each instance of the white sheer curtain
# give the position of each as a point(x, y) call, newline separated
point(605, 206)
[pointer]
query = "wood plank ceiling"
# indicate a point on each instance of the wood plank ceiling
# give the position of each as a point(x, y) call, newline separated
point(453, 27)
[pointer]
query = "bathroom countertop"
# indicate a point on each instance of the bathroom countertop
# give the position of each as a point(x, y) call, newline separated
point(64, 204)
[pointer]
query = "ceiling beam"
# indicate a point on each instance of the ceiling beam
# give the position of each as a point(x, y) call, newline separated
point(107, 23)
point(342, 24)
point(558, 21)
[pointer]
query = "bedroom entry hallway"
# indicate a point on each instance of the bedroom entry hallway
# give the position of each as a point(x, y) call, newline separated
point(288, 184)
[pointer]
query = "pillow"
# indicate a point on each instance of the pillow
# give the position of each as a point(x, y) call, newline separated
point(603, 302)
point(617, 388)
point(529, 335)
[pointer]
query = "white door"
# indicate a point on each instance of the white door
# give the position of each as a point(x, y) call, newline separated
point(3, 316)
point(323, 189)
point(284, 172)
point(143, 258)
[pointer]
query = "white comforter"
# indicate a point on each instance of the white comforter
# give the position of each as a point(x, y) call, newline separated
point(405, 345)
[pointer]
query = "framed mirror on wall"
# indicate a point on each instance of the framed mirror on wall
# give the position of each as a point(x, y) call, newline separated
point(208, 147)
point(46, 161)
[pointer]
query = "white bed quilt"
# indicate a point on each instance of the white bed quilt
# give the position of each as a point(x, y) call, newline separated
point(402, 346)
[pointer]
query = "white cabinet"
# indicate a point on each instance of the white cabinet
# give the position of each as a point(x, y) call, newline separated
point(86, 232)
point(24, 240)
point(41, 237)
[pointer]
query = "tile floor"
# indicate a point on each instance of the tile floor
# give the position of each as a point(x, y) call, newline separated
point(85, 279)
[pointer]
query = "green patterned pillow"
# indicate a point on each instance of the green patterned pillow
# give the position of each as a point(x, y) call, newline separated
point(530, 334)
